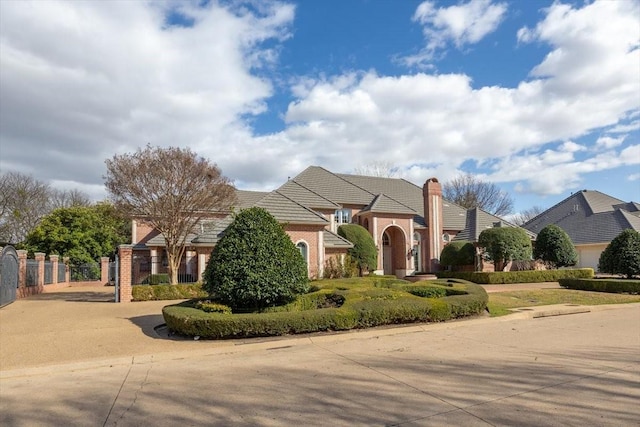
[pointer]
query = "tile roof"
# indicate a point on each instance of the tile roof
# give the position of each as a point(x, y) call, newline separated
point(285, 209)
point(332, 186)
point(306, 197)
point(478, 220)
point(332, 240)
point(247, 199)
point(589, 217)
point(385, 204)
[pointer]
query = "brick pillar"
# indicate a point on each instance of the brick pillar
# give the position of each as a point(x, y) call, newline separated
point(22, 269)
point(104, 270)
point(67, 275)
point(432, 198)
point(125, 256)
point(54, 263)
point(40, 258)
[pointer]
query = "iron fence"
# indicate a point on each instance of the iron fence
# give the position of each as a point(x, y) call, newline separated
point(32, 272)
point(62, 272)
point(148, 270)
point(112, 272)
point(48, 272)
point(85, 272)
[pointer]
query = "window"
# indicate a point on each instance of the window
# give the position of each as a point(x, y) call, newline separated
point(343, 216)
point(302, 247)
point(385, 239)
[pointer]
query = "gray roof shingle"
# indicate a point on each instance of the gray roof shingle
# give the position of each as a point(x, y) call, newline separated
point(332, 240)
point(588, 217)
point(385, 204)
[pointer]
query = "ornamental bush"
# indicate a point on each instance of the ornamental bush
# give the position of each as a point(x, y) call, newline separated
point(622, 255)
point(555, 248)
point(364, 251)
point(457, 254)
point(504, 244)
point(255, 264)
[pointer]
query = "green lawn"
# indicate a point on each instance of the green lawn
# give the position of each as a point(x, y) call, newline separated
point(500, 302)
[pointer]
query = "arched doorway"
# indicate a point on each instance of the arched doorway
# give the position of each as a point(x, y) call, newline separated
point(394, 257)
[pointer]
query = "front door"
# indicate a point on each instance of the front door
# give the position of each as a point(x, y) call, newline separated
point(387, 263)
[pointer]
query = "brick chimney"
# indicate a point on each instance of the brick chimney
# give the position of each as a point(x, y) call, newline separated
point(432, 199)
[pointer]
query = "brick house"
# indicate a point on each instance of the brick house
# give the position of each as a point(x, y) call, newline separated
point(592, 220)
point(409, 224)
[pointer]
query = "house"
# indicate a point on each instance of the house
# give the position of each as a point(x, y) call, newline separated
point(409, 224)
point(591, 219)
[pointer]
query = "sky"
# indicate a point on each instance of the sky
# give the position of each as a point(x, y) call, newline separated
point(541, 98)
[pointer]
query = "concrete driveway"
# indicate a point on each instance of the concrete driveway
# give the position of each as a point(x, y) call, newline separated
point(579, 369)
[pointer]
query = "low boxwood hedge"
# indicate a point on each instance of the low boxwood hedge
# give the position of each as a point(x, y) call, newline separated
point(617, 286)
point(527, 276)
point(356, 303)
point(167, 292)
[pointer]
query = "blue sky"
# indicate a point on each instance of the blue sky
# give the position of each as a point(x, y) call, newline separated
point(540, 97)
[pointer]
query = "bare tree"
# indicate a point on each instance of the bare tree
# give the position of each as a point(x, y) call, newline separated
point(381, 168)
point(24, 200)
point(469, 192)
point(170, 188)
point(527, 215)
point(69, 198)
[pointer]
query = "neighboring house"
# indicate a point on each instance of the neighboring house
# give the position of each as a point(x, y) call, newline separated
point(591, 219)
point(409, 224)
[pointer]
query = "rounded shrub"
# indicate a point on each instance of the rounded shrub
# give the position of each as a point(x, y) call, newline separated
point(255, 264)
point(622, 255)
point(457, 254)
point(555, 248)
point(364, 251)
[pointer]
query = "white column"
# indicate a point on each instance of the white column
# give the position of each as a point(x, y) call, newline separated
point(201, 266)
point(188, 256)
point(320, 253)
point(154, 261)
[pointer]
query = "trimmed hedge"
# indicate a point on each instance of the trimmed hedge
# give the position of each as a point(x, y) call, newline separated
point(167, 292)
point(602, 285)
point(364, 304)
point(527, 276)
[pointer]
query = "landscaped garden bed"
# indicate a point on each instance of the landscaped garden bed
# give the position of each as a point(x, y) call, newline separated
point(333, 305)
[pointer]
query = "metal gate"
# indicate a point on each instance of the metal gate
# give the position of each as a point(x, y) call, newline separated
point(8, 275)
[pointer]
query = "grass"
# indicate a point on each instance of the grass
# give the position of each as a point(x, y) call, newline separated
point(500, 302)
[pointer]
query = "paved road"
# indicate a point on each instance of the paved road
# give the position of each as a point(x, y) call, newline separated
point(574, 370)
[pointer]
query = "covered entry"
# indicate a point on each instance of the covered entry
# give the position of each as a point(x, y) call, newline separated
point(394, 254)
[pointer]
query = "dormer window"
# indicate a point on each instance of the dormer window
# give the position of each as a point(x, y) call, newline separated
point(343, 216)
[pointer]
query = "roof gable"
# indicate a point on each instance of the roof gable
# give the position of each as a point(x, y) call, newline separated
point(385, 204)
point(588, 217)
point(332, 186)
point(306, 197)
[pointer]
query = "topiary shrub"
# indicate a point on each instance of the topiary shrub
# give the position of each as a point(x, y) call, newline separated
point(457, 254)
point(504, 244)
point(622, 255)
point(255, 264)
point(364, 251)
point(554, 247)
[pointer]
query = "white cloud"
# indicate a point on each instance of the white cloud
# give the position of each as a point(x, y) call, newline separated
point(608, 142)
point(633, 177)
point(82, 80)
point(461, 24)
point(441, 121)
